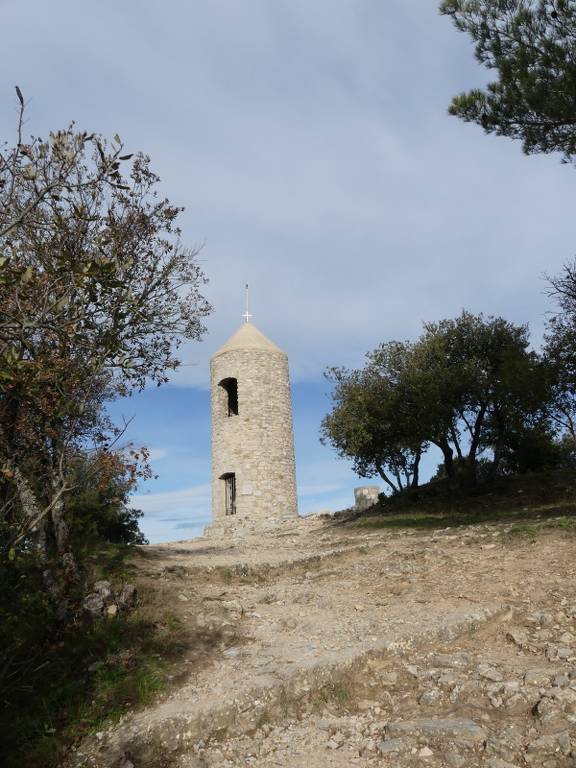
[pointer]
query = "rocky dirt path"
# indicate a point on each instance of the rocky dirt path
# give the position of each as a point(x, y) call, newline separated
point(341, 646)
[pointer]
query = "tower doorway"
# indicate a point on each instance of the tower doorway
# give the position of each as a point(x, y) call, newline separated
point(229, 493)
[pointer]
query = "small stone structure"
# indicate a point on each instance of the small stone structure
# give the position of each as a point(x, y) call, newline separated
point(253, 466)
point(366, 496)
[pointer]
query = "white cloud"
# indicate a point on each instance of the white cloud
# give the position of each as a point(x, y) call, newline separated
point(319, 490)
point(330, 504)
point(157, 531)
point(156, 454)
point(173, 515)
point(167, 502)
point(315, 158)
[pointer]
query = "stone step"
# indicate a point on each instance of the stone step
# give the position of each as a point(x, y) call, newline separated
point(265, 569)
point(175, 725)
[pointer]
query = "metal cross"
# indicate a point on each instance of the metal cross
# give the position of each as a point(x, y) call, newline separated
point(247, 314)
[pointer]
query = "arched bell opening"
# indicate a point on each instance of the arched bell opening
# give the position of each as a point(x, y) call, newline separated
point(230, 387)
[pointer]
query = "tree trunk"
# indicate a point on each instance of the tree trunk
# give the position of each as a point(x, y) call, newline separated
point(32, 511)
point(386, 479)
point(448, 460)
point(416, 469)
point(475, 442)
point(456, 442)
point(498, 442)
point(62, 537)
point(398, 476)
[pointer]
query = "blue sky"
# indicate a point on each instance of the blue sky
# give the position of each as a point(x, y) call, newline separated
point(311, 147)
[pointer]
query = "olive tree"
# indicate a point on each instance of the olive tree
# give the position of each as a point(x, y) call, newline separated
point(371, 421)
point(467, 385)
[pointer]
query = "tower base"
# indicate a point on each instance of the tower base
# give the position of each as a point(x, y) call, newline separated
point(244, 525)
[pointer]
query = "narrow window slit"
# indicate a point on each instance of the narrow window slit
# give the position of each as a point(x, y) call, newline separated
point(229, 492)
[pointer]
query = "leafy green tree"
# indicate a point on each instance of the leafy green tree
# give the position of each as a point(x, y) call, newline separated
point(370, 422)
point(468, 386)
point(560, 355)
point(531, 47)
point(99, 508)
point(479, 378)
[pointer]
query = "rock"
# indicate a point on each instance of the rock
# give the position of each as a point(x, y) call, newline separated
point(430, 697)
point(547, 709)
point(104, 588)
point(112, 611)
point(490, 673)
point(541, 618)
point(566, 699)
point(453, 660)
point(550, 745)
point(331, 744)
point(93, 604)
point(127, 598)
point(366, 704)
point(554, 652)
point(454, 694)
point(339, 738)
point(470, 692)
point(234, 607)
point(516, 703)
point(333, 724)
point(448, 681)
point(425, 752)
point(388, 747)
point(379, 726)
point(496, 762)
point(561, 681)
point(457, 729)
point(388, 679)
point(367, 747)
point(518, 637)
point(413, 670)
point(539, 677)
point(454, 760)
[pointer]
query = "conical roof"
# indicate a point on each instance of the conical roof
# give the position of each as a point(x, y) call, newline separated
point(248, 337)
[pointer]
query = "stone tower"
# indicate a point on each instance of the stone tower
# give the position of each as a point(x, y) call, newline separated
point(253, 467)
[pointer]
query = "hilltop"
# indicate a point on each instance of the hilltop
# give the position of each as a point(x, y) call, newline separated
point(428, 641)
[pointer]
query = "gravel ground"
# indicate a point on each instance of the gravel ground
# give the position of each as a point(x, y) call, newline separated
point(340, 646)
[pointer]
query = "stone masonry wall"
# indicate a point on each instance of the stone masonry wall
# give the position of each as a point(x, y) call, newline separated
point(258, 443)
